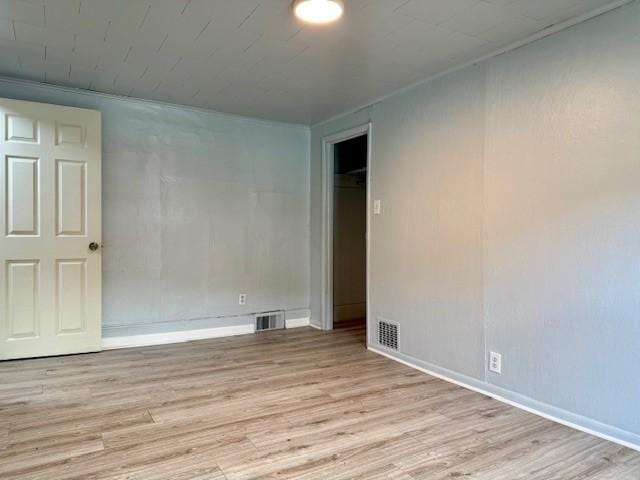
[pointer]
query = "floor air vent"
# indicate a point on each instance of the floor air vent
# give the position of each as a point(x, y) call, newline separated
point(269, 321)
point(388, 334)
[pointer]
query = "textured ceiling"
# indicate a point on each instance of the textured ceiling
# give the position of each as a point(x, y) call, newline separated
point(250, 57)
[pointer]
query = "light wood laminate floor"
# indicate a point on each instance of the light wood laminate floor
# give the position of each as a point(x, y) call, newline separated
point(299, 404)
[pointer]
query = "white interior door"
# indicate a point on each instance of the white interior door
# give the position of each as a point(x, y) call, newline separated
point(50, 196)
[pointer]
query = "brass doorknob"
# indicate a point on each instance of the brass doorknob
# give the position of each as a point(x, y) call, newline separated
point(93, 246)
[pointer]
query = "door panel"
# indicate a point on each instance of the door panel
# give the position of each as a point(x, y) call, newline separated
point(22, 195)
point(21, 129)
point(71, 296)
point(69, 134)
point(70, 197)
point(50, 210)
point(22, 298)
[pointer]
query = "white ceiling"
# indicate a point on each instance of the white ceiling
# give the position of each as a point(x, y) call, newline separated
point(250, 57)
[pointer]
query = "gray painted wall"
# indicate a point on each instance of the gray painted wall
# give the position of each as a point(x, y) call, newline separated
point(511, 222)
point(197, 208)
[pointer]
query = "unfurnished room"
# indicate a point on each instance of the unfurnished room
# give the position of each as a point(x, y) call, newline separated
point(319, 239)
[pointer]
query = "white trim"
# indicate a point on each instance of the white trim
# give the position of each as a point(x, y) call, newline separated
point(112, 96)
point(326, 305)
point(513, 46)
point(369, 319)
point(110, 343)
point(298, 322)
point(549, 412)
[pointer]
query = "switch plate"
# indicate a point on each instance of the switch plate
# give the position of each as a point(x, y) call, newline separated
point(495, 362)
point(377, 207)
point(242, 299)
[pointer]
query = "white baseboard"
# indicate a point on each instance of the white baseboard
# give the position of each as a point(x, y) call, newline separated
point(110, 343)
point(563, 417)
point(298, 322)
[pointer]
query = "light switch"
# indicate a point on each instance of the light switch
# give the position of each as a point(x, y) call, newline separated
point(377, 207)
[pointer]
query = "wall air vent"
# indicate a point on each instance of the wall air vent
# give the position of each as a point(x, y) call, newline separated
point(269, 321)
point(388, 334)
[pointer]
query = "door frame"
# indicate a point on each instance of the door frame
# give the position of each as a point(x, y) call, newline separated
point(328, 144)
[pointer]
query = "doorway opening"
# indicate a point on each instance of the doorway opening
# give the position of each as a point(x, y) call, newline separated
point(350, 232)
point(346, 229)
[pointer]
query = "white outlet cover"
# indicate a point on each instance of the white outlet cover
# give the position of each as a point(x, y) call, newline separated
point(242, 299)
point(377, 207)
point(495, 362)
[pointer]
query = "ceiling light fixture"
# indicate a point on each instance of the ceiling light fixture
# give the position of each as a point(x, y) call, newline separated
point(318, 11)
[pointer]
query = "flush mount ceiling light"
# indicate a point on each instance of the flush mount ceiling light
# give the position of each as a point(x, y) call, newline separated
point(318, 11)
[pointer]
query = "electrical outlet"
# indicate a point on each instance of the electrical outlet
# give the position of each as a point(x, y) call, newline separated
point(242, 299)
point(377, 207)
point(495, 362)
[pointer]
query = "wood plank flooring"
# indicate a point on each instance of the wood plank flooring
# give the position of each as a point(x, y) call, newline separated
point(297, 404)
